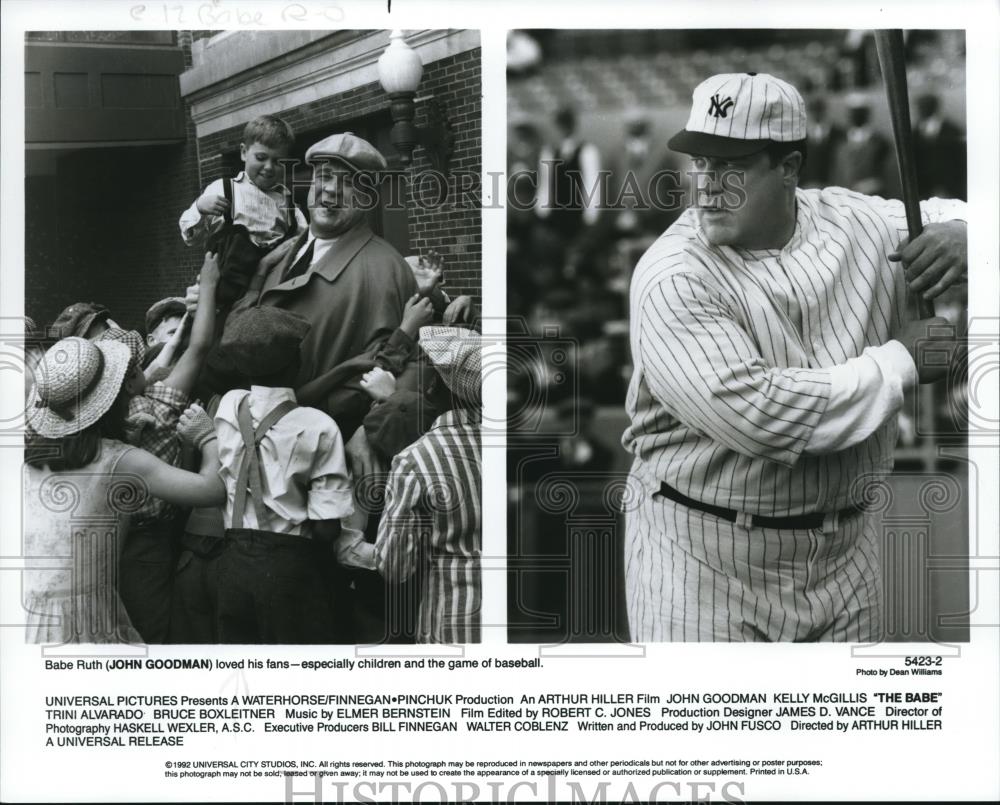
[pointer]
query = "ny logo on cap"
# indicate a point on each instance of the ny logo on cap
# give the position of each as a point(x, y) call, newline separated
point(720, 107)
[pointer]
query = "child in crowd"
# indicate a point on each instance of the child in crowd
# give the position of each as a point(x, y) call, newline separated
point(404, 411)
point(83, 319)
point(163, 319)
point(273, 576)
point(391, 360)
point(81, 482)
point(150, 550)
point(428, 272)
point(247, 217)
point(433, 510)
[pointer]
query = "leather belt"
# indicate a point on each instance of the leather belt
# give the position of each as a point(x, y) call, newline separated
point(799, 521)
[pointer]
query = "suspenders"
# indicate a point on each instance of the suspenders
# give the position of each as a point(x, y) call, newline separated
point(227, 190)
point(249, 472)
point(290, 220)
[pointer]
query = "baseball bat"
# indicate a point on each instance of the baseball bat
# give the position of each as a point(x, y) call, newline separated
point(892, 60)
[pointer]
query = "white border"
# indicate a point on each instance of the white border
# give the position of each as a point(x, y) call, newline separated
point(958, 763)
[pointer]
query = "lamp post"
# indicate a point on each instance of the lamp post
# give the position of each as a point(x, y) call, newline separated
point(399, 71)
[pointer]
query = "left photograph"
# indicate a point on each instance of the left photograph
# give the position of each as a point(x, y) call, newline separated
point(252, 289)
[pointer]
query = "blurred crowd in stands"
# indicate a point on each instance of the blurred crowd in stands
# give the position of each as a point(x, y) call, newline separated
point(591, 111)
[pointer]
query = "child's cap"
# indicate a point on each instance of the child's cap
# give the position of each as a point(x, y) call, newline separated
point(164, 309)
point(456, 353)
point(261, 341)
point(357, 154)
point(77, 319)
point(76, 383)
point(130, 338)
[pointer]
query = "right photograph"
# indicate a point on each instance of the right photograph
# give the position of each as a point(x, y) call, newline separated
point(739, 376)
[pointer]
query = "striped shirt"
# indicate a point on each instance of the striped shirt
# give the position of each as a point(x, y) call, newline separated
point(433, 518)
point(732, 350)
point(262, 212)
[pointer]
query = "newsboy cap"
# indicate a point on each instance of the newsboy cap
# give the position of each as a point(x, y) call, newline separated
point(77, 318)
point(261, 341)
point(456, 354)
point(357, 154)
point(171, 306)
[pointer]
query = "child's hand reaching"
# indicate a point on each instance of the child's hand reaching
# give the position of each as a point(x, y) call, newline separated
point(211, 204)
point(418, 312)
point(379, 384)
point(459, 310)
point(209, 270)
point(428, 272)
point(191, 296)
point(195, 426)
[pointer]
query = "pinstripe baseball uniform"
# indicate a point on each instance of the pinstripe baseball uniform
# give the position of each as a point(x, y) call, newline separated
point(733, 352)
point(433, 517)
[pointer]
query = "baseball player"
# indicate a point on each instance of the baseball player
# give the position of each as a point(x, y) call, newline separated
point(772, 347)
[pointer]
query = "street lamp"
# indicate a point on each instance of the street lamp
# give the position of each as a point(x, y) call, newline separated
point(399, 73)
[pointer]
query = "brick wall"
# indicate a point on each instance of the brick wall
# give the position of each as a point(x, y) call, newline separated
point(104, 228)
point(454, 229)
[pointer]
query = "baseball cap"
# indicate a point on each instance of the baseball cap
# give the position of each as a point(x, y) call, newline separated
point(163, 309)
point(738, 114)
point(76, 319)
point(357, 154)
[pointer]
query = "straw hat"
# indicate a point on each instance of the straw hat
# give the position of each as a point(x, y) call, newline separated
point(457, 355)
point(77, 381)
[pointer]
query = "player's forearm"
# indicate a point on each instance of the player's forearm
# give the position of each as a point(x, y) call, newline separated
point(939, 210)
point(865, 392)
point(713, 379)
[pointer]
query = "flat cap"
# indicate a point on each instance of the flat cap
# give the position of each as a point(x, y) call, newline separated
point(456, 354)
point(77, 319)
point(130, 338)
point(164, 309)
point(357, 154)
point(261, 341)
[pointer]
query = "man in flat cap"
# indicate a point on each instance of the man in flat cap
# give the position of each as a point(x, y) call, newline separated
point(349, 284)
